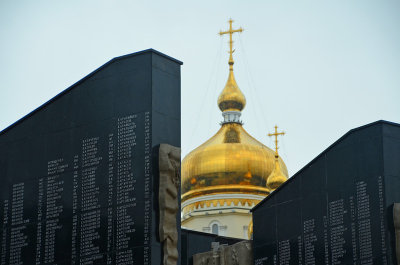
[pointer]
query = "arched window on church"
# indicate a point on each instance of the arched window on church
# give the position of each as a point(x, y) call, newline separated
point(214, 229)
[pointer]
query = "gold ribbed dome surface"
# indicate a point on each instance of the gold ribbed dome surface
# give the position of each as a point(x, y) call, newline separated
point(230, 161)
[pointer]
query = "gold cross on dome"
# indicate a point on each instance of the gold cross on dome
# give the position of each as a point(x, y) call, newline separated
point(276, 134)
point(230, 32)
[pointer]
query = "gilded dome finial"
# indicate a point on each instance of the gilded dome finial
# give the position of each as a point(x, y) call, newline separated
point(231, 98)
point(277, 177)
point(231, 51)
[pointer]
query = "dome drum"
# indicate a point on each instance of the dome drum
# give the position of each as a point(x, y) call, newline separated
point(231, 116)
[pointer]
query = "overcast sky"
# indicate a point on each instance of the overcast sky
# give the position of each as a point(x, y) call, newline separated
point(315, 68)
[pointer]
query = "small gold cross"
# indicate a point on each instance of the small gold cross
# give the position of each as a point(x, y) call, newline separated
point(231, 51)
point(276, 134)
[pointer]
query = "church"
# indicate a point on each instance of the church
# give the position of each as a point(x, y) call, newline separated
point(341, 208)
point(231, 172)
point(94, 176)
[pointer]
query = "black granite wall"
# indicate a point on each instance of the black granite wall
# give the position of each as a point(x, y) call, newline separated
point(77, 173)
point(337, 209)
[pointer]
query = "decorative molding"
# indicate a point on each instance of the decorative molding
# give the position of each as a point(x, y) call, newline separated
point(223, 196)
point(226, 189)
point(212, 207)
point(220, 202)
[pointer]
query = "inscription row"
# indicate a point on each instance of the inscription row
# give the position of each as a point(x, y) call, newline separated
point(338, 231)
point(83, 210)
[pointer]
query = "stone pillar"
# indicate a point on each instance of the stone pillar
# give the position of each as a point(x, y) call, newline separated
point(169, 166)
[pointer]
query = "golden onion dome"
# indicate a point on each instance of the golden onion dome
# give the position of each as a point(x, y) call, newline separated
point(277, 177)
point(231, 98)
point(230, 161)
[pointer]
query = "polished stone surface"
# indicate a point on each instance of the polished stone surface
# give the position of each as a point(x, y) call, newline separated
point(78, 173)
point(337, 209)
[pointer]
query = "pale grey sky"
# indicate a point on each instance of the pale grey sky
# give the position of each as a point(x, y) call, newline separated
point(315, 68)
